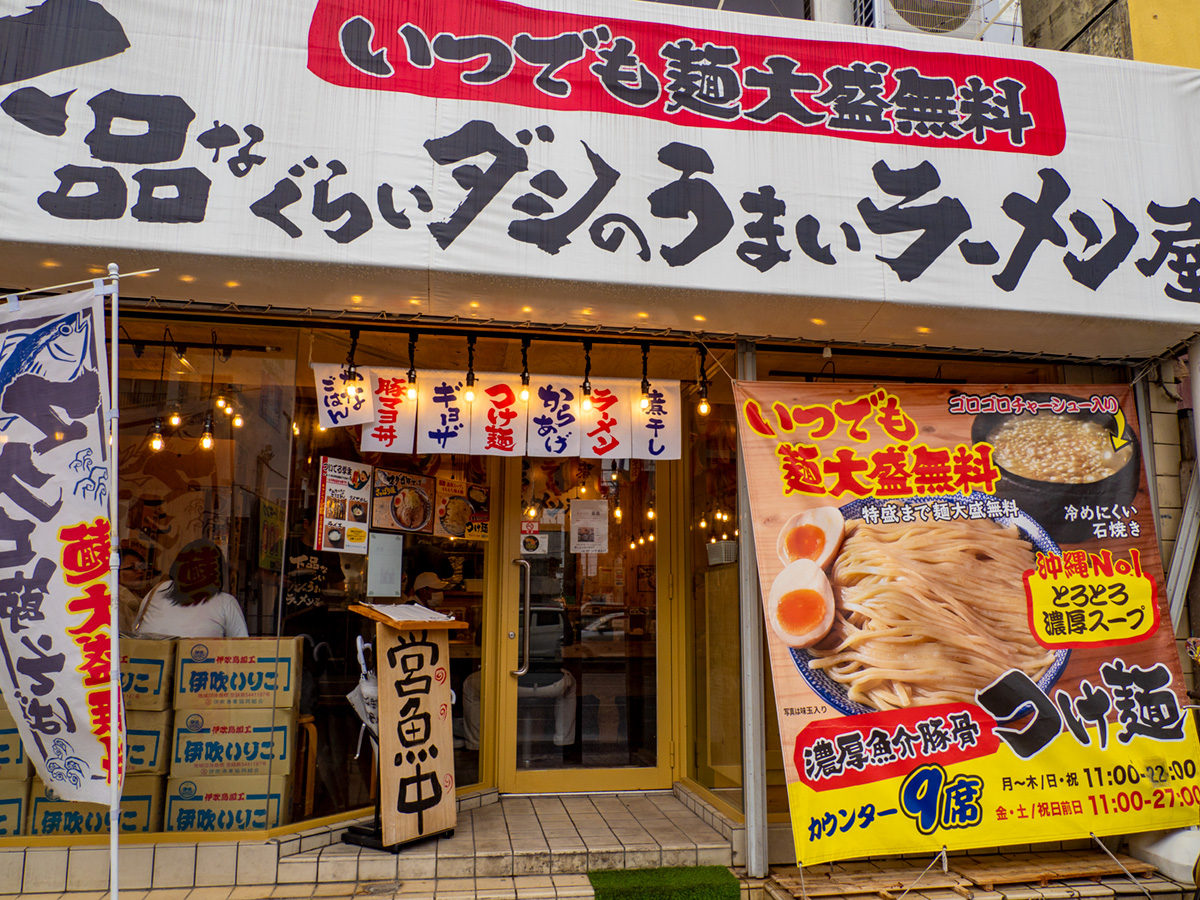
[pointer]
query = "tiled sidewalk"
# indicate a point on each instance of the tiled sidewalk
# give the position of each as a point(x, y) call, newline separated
point(527, 887)
point(522, 836)
point(516, 847)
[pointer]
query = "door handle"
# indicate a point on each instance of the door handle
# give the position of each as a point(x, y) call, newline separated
point(525, 614)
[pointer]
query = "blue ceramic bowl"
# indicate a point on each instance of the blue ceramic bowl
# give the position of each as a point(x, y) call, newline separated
point(834, 693)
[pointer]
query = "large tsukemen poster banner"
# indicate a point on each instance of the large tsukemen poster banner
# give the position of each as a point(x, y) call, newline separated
point(963, 591)
point(55, 622)
point(617, 143)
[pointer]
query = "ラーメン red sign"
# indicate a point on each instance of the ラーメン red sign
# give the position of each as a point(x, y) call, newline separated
point(501, 52)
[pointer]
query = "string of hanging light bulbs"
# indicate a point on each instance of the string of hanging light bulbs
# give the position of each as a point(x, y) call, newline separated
point(226, 404)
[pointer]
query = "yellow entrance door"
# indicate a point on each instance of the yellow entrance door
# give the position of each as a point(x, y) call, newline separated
point(579, 703)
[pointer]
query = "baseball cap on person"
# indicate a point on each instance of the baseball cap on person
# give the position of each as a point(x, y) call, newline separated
point(427, 580)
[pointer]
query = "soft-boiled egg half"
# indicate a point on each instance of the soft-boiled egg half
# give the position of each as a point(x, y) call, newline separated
point(801, 605)
point(814, 534)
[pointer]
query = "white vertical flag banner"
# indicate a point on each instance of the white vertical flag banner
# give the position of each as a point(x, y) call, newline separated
point(394, 426)
point(342, 397)
point(554, 425)
point(55, 627)
point(443, 414)
point(656, 429)
point(608, 425)
point(499, 416)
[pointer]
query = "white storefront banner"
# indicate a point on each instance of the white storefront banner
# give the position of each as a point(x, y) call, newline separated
point(444, 418)
point(501, 416)
point(394, 425)
point(619, 143)
point(343, 396)
point(56, 627)
point(551, 422)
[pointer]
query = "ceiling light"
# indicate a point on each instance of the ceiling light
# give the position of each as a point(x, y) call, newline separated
point(703, 407)
point(586, 387)
point(469, 393)
point(156, 436)
point(411, 390)
point(206, 437)
point(644, 402)
point(524, 369)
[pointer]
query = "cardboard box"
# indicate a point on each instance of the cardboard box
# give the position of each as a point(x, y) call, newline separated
point(147, 672)
point(14, 763)
point(14, 802)
point(219, 805)
point(237, 672)
point(233, 742)
point(148, 739)
point(141, 809)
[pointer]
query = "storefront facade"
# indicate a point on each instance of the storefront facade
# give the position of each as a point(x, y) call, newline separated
point(513, 189)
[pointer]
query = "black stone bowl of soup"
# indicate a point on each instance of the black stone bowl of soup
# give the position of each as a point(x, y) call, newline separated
point(1051, 462)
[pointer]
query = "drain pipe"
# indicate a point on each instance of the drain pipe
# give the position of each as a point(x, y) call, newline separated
point(754, 728)
point(1183, 560)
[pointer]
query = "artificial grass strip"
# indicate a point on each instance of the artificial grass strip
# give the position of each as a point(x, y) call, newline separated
point(682, 883)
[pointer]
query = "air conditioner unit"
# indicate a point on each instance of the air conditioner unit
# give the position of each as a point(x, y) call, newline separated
point(947, 18)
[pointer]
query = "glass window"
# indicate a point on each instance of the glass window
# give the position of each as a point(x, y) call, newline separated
point(589, 695)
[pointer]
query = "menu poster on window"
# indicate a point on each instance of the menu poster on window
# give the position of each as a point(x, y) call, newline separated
point(343, 500)
point(462, 510)
point(384, 564)
point(401, 501)
point(968, 634)
point(533, 541)
point(270, 535)
point(589, 526)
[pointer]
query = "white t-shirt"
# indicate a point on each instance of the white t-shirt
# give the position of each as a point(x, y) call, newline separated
point(220, 616)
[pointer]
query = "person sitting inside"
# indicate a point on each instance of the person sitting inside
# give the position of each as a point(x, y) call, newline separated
point(190, 603)
point(426, 591)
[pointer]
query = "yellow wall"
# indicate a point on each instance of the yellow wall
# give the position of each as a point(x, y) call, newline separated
point(1166, 31)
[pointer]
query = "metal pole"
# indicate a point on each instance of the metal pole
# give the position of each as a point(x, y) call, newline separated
point(1194, 380)
point(116, 742)
point(754, 730)
point(1141, 397)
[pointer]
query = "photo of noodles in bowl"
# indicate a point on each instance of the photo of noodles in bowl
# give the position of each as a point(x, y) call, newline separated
point(455, 515)
point(927, 611)
point(1051, 461)
point(411, 508)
